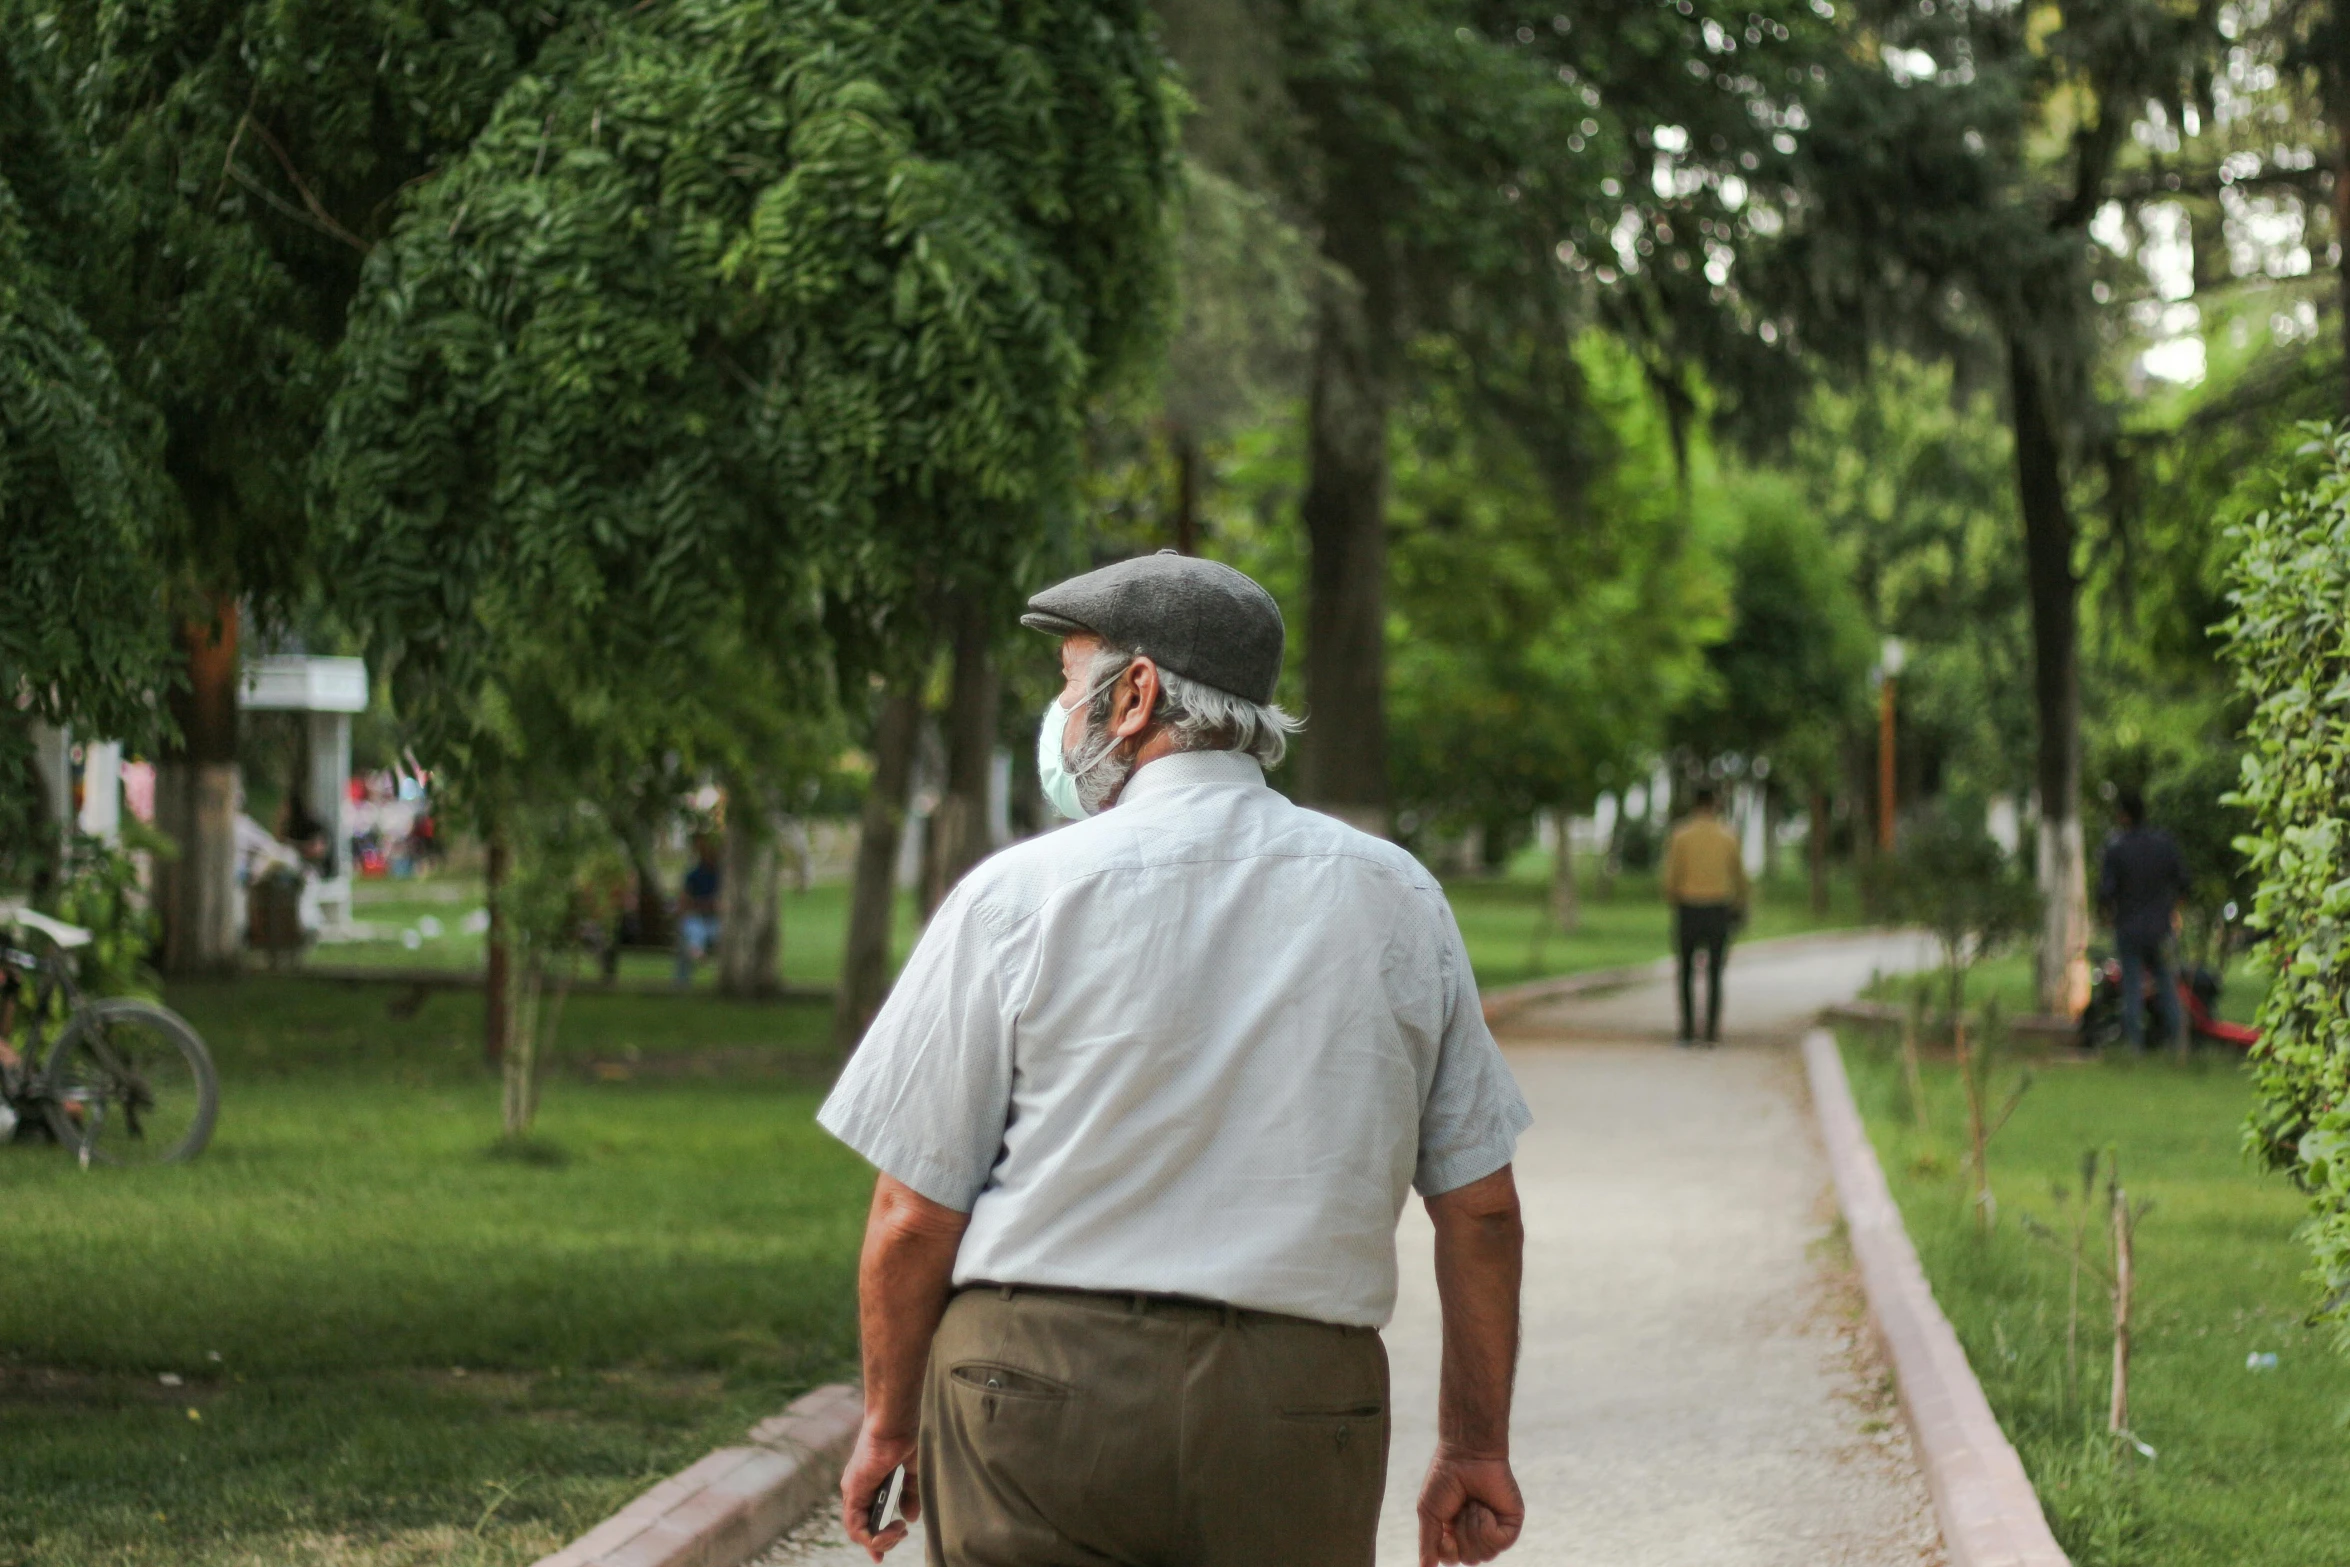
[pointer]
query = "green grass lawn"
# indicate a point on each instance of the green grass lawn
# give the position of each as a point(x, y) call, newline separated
point(814, 922)
point(390, 1345)
point(2252, 1468)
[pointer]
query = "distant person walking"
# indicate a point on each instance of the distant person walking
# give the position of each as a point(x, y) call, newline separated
point(1146, 1104)
point(1705, 882)
point(2140, 880)
point(697, 910)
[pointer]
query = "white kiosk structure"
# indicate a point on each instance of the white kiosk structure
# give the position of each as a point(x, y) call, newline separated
point(328, 691)
point(100, 811)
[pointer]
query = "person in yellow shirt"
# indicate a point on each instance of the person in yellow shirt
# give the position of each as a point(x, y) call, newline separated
point(1705, 882)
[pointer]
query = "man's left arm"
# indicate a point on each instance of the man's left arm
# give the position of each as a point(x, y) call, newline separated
point(1469, 1125)
point(904, 1280)
point(1470, 1507)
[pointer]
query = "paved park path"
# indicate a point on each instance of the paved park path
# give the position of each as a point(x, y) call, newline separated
point(1695, 1390)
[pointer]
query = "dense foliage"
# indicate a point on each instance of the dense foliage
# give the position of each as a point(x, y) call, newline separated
point(1536, 649)
point(741, 312)
point(78, 624)
point(2290, 641)
point(80, 493)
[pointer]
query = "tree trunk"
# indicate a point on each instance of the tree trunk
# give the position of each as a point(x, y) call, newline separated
point(196, 801)
point(1566, 901)
point(2063, 959)
point(864, 977)
point(654, 927)
point(959, 825)
point(1815, 851)
point(750, 890)
point(496, 979)
point(1974, 1077)
point(518, 1059)
point(1345, 511)
point(1187, 464)
point(535, 1014)
point(1860, 784)
point(2117, 1411)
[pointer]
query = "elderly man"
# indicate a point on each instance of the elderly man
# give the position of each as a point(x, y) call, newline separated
point(1145, 1106)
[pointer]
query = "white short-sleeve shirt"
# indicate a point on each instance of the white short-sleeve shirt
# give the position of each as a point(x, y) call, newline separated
point(1201, 1044)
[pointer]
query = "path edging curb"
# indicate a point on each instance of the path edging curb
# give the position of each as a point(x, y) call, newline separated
point(1989, 1514)
point(737, 1501)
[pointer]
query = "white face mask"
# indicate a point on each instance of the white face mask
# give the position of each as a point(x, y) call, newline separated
point(1052, 765)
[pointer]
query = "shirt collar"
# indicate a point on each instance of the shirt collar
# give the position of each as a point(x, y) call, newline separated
point(1192, 770)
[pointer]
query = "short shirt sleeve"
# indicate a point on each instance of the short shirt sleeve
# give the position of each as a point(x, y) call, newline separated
point(926, 1096)
point(1474, 1114)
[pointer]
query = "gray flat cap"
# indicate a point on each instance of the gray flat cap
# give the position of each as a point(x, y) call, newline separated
point(1199, 618)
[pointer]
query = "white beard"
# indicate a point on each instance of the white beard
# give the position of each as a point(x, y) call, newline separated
point(1099, 783)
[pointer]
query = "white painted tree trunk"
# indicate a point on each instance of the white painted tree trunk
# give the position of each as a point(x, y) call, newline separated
point(196, 808)
point(2063, 959)
point(750, 944)
point(1566, 902)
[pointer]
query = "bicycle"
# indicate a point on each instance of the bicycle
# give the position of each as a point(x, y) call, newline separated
point(127, 1082)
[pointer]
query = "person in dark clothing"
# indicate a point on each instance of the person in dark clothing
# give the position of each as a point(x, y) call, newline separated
point(697, 910)
point(1705, 882)
point(2140, 880)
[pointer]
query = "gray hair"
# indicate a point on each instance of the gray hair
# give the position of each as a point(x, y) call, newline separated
point(1200, 717)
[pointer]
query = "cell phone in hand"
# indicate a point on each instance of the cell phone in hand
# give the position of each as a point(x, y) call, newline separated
point(883, 1510)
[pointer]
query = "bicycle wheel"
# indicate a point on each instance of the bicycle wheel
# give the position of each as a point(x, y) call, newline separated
point(129, 1082)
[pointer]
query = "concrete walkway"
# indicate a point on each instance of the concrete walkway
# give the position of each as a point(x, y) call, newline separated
point(1695, 1388)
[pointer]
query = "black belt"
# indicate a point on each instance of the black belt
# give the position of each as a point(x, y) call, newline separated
point(1149, 1303)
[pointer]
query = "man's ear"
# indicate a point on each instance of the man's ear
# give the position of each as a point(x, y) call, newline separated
point(1142, 704)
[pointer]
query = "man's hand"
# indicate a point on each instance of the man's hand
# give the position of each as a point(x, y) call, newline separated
point(903, 1280)
point(1470, 1510)
point(870, 1465)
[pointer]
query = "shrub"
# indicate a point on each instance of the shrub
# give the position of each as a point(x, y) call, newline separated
point(2289, 639)
point(1950, 877)
point(98, 888)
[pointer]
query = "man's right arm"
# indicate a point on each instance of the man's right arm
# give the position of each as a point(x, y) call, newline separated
point(924, 1100)
point(904, 1279)
point(1470, 1509)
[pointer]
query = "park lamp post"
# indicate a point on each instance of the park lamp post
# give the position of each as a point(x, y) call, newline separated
point(1890, 658)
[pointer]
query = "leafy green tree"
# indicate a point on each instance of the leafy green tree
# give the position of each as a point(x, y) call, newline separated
point(2289, 640)
point(250, 153)
point(1909, 470)
point(1958, 163)
point(2306, 45)
point(1791, 675)
point(79, 481)
point(746, 330)
point(1493, 180)
point(1534, 652)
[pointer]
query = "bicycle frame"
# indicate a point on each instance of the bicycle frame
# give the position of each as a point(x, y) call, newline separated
point(34, 988)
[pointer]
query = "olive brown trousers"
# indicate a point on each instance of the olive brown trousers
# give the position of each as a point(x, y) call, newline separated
point(1064, 1428)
